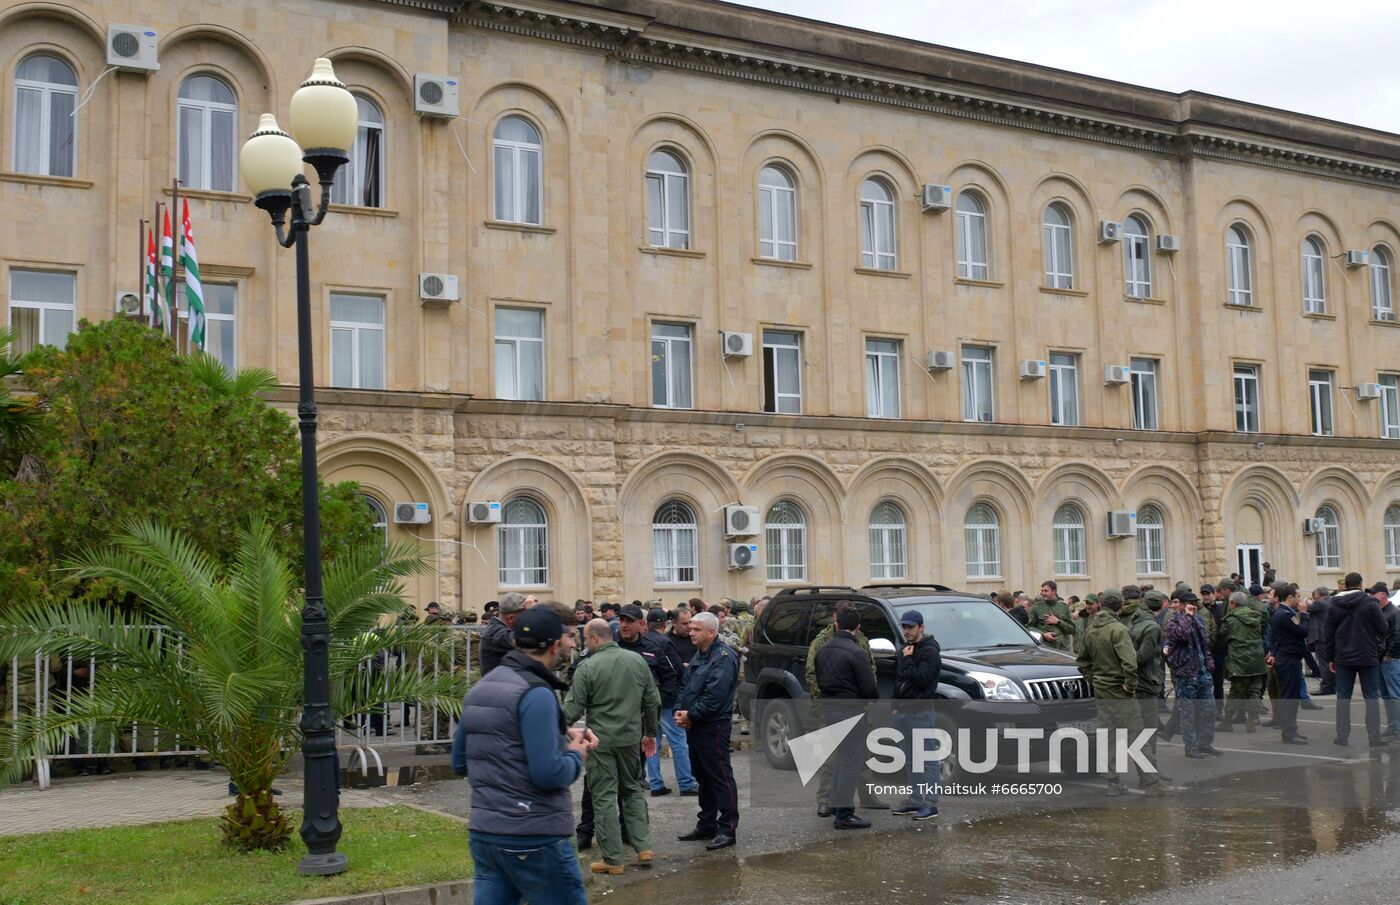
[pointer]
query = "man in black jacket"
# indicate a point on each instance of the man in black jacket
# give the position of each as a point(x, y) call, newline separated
point(1355, 628)
point(1289, 629)
point(498, 638)
point(915, 686)
point(846, 682)
point(1318, 609)
point(1390, 660)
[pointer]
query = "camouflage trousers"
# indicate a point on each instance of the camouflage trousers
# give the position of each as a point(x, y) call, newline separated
point(1244, 699)
point(1119, 711)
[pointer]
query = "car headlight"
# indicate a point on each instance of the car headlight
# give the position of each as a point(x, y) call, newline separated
point(997, 688)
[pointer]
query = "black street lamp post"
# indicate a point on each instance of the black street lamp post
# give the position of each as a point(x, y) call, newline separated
point(324, 118)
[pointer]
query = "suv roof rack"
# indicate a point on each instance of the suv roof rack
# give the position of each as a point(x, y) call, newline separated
point(915, 584)
point(815, 589)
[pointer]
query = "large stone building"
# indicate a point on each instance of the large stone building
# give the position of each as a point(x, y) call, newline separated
point(624, 181)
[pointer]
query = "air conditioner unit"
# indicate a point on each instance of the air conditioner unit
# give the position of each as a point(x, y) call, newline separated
point(743, 556)
point(1358, 258)
point(434, 95)
point(1368, 391)
point(740, 521)
point(1113, 375)
point(936, 197)
point(1313, 525)
point(1032, 369)
point(1168, 244)
point(737, 345)
point(941, 360)
point(1122, 523)
point(132, 47)
point(484, 513)
point(1110, 231)
point(412, 514)
point(130, 304)
point(1385, 315)
point(438, 287)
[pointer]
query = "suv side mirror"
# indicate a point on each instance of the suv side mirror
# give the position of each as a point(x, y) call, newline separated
point(881, 646)
point(1039, 638)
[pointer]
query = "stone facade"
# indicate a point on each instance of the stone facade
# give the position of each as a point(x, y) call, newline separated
point(728, 92)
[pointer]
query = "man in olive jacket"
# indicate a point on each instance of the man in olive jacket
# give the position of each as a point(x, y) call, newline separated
point(1242, 630)
point(867, 779)
point(1051, 617)
point(1146, 634)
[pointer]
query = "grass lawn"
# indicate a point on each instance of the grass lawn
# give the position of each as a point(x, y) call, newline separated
point(183, 863)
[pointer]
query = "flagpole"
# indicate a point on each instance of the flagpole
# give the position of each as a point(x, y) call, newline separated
point(177, 233)
point(141, 283)
point(155, 277)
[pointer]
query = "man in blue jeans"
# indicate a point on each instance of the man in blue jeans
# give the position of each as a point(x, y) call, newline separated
point(668, 682)
point(1390, 661)
point(1355, 628)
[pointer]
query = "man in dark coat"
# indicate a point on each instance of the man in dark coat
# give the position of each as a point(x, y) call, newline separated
point(916, 672)
point(1355, 628)
point(846, 682)
point(1317, 638)
point(497, 640)
point(1288, 633)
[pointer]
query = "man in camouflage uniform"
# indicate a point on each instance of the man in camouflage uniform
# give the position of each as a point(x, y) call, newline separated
point(1146, 635)
point(815, 712)
point(1050, 616)
point(1245, 663)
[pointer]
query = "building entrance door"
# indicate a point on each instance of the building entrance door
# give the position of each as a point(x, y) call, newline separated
point(1249, 559)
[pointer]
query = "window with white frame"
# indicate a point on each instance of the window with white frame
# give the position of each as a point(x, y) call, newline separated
point(221, 323)
point(1314, 281)
point(782, 372)
point(516, 162)
point(361, 181)
point(977, 389)
point(1382, 308)
point(1392, 536)
point(1137, 260)
point(357, 341)
point(379, 518)
point(888, 550)
point(1239, 264)
point(1151, 541)
point(46, 97)
point(970, 228)
point(1247, 399)
point(42, 304)
point(1064, 389)
point(671, 355)
point(674, 536)
point(1068, 537)
point(208, 127)
point(882, 378)
point(777, 214)
point(1390, 406)
point(1320, 397)
point(785, 533)
point(520, 353)
point(877, 238)
point(1058, 239)
point(522, 544)
point(1143, 374)
point(668, 201)
point(982, 538)
point(1329, 539)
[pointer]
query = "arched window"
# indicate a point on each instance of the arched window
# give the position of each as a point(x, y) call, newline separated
point(208, 125)
point(515, 149)
point(1239, 272)
point(673, 544)
point(1068, 537)
point(786, 536)
point(668, 201)
point(970, 227)
point(1381, 305)
point(1314, 282)
point(361, 181)
point(888, 547)
point(1329, 539)
point(1392, 536)
point(877, 239)
point(380, 517)
point(46, 95)
point(522, 541)
point(777, 214)
point(982, 536)
point(1137, 260)
point(1151, 541)
point(1059, 248)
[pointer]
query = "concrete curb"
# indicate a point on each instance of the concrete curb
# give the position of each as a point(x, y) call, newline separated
point(454, 892)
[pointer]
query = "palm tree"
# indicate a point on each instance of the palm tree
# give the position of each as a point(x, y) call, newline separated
point(19, 418)
point(219, 665)
point(211, 374)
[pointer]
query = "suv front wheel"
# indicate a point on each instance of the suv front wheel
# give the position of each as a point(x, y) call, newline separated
point(778, 725)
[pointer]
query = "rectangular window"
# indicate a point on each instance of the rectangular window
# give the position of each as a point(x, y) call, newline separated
point(782, 372)
point(357, 341)
point(1064, 389)
point(977, 384)
point(220, 315)
point(882, 378)
point(1144, 378)
point(519, 353)
point(1320, 396)
point(1390, 406)
point(1247, 398)
point(42, 304)
point(670, 366)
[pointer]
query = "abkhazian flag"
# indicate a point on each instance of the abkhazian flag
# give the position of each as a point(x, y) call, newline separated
point(194, 290)
point(167, 269)
point(152, 293)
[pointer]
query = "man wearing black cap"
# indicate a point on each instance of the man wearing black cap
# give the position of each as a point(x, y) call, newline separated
point(916, 673)
point(1354, 631)
point(1288, 633)
point(669, 684)
point(846, 682)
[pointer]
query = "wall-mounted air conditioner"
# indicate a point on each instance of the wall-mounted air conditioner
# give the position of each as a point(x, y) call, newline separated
point(434, 95)
point(936, 197)
point(1113, 375)
point(736, 345)
point(484, 512)
point(440, 288)
point(1167, 244)
point(740, 521)
point(1031, 369)
point(743, 556)
point(412, 514)
point(1110, 231)
point(1122, 523)
point(941, 360)
point(132, 48)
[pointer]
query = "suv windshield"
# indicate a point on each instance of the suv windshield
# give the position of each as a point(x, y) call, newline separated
point(968, 624)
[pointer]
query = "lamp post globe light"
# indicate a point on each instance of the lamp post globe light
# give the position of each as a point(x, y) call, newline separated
point(272, 162)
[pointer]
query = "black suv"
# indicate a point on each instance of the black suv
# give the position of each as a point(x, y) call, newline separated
point(997, 673)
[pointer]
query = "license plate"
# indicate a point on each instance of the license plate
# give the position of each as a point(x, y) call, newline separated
point(1085, 726)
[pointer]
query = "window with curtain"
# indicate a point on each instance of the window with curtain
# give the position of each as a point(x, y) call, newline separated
point(877, 239)
point(1068, 537)
point(785, 532)
point(379, 518)
point(668, 201)
point(1329, 539)
point(208, 140)
point(1151, 541)
point(519, 353)
point(516, 159)
point(221, 323)
point(1320, 398)
point(970, 232)
point(882, 378)
point(42, 304)
point(977, 392)
point(1137, 261)
point(357, 341)
point(1389, 405)
point(1392, 536)
point(889, 558)
point(522, 544)
point(46, 96)
point(674, 534)
point(1058, 239)
point(1143, 374)
point(1247, 398)
point(777, 214)
point(782, 372)
point(671, 355)
point(361, 181)
point(1314, 281)
point(1382, 308)
point(1064, 389)
point(982, 538)
point(1239, 264)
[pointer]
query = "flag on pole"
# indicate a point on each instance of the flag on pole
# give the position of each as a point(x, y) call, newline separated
point(194, 290)
point(167, 270)
point(152, 291)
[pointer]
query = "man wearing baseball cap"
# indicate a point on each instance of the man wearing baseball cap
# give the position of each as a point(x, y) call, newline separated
point(670, 690)
point(916, 671)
